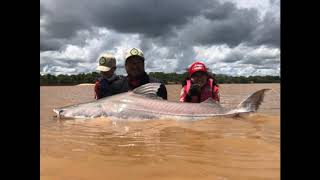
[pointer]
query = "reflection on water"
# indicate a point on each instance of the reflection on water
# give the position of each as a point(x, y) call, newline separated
point(217, 148)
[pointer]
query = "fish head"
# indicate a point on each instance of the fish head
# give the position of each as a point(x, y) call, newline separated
point(79, 111)
point(61, 113)
point(65, 113)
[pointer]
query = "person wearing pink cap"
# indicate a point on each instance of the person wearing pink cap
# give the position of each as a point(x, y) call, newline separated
point(200, 85)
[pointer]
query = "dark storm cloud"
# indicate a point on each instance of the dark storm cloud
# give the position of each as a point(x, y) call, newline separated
point(50, 44)
point(149, 17)
point(223, 23)
point(228, 25)
point(166, 31)
point(267, 32)
point(259, 61)
point(233, 57)
point(62, 19)
point(219, 11)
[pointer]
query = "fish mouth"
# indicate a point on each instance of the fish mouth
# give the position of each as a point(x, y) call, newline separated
point(60, 115)
point(58, 112)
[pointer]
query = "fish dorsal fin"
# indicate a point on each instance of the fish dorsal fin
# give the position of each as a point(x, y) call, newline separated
point(148, 90)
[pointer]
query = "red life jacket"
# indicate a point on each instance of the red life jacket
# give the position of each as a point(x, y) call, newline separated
point(207, 91)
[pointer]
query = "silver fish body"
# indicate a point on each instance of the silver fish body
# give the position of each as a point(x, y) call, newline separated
point(142, 103)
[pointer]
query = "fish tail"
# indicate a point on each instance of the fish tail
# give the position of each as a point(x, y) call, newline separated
point(252, 102)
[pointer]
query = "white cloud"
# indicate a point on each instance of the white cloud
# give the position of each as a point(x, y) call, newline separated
point(221, 59)
point(72, 58)
point(212, 54)
point(240, 60)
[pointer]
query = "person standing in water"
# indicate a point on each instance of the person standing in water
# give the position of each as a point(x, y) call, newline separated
point(134, 65)
point(108, 83)
point(200, 85)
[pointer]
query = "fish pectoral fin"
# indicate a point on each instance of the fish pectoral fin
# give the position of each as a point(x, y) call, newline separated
point(148, 90)
point(210, 101)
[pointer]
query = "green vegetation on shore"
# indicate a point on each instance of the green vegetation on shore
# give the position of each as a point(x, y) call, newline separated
point(168, 78)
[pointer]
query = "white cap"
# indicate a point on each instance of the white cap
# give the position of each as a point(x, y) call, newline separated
point(106, 62)
point(134, 52)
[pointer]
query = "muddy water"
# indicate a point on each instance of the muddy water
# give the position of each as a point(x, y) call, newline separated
point(218, 148)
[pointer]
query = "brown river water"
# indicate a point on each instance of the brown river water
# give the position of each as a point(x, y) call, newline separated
point(242, 148)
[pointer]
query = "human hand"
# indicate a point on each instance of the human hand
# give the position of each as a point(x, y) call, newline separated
point(194, 90)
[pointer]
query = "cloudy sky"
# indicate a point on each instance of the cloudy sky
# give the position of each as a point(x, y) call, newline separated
point(233, 37)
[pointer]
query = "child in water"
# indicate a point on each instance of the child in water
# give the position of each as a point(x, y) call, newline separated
point(200, 85)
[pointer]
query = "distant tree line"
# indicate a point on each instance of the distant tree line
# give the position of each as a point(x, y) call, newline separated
point(174, 78)
point(168, 78)
point(48, 79)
